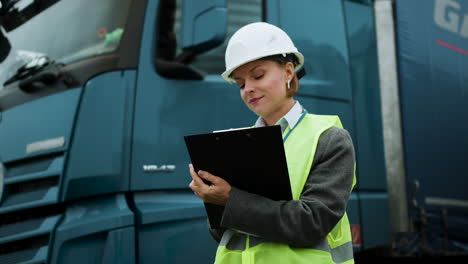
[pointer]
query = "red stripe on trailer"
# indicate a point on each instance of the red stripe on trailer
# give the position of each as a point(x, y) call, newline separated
point(356, 235)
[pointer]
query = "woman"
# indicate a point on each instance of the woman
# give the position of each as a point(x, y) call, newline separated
point(313, 227)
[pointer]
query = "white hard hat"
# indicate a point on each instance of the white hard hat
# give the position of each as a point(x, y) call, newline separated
point(255, 41)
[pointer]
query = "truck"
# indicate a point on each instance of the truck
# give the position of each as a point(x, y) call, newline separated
point(96, 96)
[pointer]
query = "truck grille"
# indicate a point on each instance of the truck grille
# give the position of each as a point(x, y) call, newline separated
point(29, 209)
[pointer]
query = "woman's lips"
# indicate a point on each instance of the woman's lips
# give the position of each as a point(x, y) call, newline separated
point(255, 100)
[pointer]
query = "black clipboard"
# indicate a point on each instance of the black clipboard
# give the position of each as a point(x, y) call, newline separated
point(250, 159)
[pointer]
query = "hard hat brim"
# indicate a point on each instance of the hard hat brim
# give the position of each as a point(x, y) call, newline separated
point(226, 74)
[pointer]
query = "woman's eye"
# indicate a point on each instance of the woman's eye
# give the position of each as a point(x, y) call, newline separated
point(258, 77)
point(241, 86)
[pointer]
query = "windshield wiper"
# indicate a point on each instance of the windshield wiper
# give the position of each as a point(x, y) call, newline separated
point(36, 75)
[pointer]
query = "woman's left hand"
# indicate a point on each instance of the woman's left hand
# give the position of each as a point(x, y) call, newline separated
point(216, 193)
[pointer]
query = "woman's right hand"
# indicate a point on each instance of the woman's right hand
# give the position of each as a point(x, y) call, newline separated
point(216, 193)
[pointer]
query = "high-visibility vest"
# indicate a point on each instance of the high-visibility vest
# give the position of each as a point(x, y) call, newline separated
point(300, 145)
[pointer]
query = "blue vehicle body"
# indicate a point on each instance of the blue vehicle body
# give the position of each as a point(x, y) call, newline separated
point(94, 167)
point(433, 63)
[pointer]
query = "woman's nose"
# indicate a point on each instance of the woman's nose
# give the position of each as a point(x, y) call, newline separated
point(249, 87)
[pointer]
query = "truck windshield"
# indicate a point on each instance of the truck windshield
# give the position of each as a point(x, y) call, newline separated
point(67, 31)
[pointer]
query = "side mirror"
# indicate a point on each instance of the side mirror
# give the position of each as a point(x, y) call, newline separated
point(203, 24)
point(5, 46)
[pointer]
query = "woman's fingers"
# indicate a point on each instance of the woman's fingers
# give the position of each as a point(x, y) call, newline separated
point(208, 176)
point(195, 177)
point(216, 193)
point(192, 171)
point(197, 185)
point(192, 185)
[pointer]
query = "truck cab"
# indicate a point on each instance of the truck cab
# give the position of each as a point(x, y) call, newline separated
point(96, 96)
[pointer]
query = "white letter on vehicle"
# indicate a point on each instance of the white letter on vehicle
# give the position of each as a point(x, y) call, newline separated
point(464, 28)
point(440, 9)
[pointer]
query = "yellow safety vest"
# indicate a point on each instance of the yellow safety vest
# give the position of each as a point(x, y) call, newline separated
point(336, 247)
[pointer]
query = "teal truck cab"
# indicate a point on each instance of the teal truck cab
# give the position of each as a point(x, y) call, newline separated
point(96, 96)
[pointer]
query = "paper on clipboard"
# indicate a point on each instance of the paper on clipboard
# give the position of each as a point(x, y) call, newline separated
point(230, 129)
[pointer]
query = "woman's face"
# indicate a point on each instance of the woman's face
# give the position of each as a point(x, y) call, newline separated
point(263, 87)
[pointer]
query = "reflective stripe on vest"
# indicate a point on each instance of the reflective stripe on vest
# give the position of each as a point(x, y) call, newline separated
point(234, 240)
point(336, 247)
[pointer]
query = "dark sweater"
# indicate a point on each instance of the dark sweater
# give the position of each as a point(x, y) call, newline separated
point(303, 222)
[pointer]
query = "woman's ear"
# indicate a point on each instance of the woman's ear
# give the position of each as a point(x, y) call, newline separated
point(289, 67)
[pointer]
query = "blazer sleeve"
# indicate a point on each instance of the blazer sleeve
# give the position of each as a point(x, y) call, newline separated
point(303, 222)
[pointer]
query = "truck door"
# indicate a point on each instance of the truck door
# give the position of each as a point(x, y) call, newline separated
point(338, 42)
point(179, 93)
